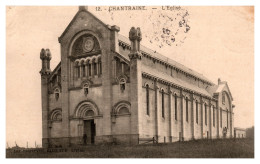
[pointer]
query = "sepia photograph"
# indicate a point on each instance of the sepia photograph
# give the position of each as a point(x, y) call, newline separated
point(130, 81)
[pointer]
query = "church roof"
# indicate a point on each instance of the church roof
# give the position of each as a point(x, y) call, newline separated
point(176, 81)
point(165, 59)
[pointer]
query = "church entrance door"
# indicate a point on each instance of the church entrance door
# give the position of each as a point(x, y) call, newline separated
point(90, 131)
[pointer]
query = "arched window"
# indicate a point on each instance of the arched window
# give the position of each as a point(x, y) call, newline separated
point(85, 88)
point(227, 118)
point(175, 107)
point(56, 115)
point(122, 84)
point(78, 71)
point(213, 116)
point(197, 112)
point(162, 103)
point(95, 67)
point(206, 120)
point(187, 109)
point(123, 110)
point(83, 70)
point(147, 100)
point(223, 98)
point(221, 117)
point(57, 93)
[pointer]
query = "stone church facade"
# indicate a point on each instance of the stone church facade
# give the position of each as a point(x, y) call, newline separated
point(113, 89)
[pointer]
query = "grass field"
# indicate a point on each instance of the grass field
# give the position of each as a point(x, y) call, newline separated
point(228, 148)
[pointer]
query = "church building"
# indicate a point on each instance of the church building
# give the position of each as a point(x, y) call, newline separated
point(109, 88)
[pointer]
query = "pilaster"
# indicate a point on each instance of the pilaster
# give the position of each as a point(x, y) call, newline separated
point(192, 116)
point(210, 122)
point(217, 107)
point(135, 56)
point(156, 90)
point(170, 113)
point(201, 118)
point(182, 126)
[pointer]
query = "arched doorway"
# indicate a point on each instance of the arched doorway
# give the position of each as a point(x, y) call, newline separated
point(89, 127)
point(87, 111)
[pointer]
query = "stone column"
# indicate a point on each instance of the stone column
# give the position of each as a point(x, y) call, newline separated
point(86, 69)
point(80, 70)
point(76, 71)
point(122, 67)
point(97, 65)
point(92, 68)
point(170, 113)
point(192, 116)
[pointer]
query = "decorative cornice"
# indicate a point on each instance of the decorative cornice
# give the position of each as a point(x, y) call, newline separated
point(146, 75)
point(136, 55)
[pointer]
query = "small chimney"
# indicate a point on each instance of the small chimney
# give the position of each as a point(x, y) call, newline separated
point(219, 81)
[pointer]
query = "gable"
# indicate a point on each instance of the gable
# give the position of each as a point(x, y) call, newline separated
point(81, 21)
point(223, 87)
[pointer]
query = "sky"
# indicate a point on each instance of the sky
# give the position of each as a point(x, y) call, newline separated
point(217, 42)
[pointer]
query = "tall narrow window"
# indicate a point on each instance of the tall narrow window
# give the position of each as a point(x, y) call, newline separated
point(122, 84)
point(213, 116)
point(197, 113)
point(223, 98)
point(187, 109)
point(83, 70)
point(220, 117)
point(78, 71)
point(227, 118)
point(57, 93)
point(147, 100)
point(206, 120)
point(85, 88)
point(162, 103)
point(175, 107)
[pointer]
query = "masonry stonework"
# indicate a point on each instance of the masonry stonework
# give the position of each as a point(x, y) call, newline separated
point(109, 88)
